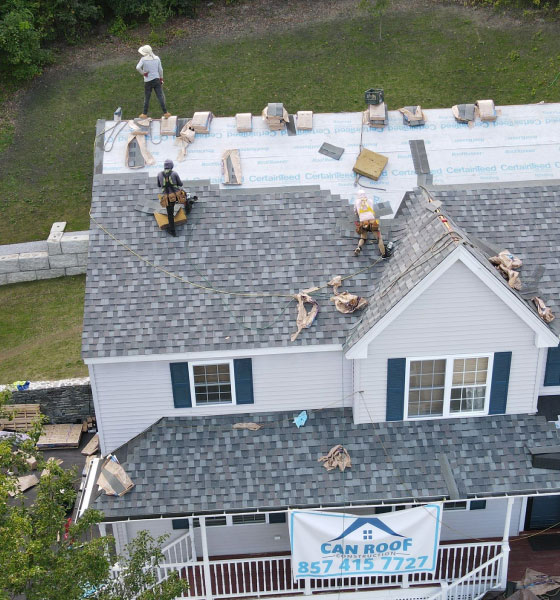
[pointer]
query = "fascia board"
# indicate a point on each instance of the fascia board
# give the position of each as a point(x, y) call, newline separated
point(241, 353)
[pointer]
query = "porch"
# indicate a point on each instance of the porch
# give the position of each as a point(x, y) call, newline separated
point(465, 571)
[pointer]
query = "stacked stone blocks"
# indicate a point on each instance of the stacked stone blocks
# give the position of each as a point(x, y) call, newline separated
point(64, 254)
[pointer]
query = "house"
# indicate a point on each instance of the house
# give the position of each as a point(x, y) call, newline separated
point(443, 388)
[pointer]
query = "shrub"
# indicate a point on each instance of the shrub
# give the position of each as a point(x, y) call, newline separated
point(21, 55)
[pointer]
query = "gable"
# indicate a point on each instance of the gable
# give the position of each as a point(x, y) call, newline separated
point(458, 315)
point(479, 287)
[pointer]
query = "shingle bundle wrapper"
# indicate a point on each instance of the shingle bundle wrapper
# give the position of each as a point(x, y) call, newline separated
point(544, 311)
point(139, 131)
point(186, 137)
point(337, 457)
point(345, 302)
point(539, 583)
point(305, 319)
point(506, 263)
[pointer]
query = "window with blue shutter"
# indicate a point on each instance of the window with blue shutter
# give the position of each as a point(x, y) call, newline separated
point(500, 383)
point(181, 385)
point(243, 369)
point(396, 373)
point(552, 372)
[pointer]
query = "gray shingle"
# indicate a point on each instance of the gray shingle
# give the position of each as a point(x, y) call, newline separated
point(189, 465)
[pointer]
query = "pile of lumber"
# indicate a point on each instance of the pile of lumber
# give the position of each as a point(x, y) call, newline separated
point(60, 436)
point(19, 417)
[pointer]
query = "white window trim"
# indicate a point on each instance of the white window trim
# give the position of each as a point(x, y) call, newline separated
point(449, 358)
point(231, 378)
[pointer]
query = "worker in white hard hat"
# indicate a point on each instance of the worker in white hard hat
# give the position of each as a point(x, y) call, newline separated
point(150, 68)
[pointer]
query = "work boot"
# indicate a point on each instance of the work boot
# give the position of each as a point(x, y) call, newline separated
point(357, 251)
point(143, 116)
point(166, 115)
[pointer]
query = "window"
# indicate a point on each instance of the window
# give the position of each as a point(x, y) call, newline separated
point(277, 517)
point(455, 505)
point(441, 387)
point(252, 518)
point(477, 505)
point(212, 383)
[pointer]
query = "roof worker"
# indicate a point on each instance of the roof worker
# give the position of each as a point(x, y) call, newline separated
point(367, 223)
point(150, 68)
point(172, 192)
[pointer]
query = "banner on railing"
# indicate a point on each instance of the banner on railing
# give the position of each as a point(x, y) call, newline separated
point(342, 545)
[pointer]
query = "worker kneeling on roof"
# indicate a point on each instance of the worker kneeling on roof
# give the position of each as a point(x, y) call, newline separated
point(366, 223)
point(172, 193)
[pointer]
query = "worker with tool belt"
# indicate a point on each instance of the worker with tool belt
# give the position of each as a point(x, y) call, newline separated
point(171, 193)
point(366, 223)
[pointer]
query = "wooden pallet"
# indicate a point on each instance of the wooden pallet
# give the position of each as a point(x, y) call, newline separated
point(60, 436)
point(23, 416)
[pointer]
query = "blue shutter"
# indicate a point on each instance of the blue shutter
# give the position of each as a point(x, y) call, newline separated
point(500, 383)
point(243, 370)
point(552, 373)
point(181, 385)
point(396, 371)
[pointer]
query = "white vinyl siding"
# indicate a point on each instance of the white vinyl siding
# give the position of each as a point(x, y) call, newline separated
point(129, 396)
point(457, 315)
point(263, 537)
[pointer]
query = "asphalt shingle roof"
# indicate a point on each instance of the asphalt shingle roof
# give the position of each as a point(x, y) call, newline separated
point(283, 240)
point(189, 465)
point(272, 240)
point(525, 220)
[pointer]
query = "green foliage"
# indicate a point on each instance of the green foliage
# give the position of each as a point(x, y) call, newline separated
point(136, 581)
point(46, 557)
point(67, 20)
point(21, 54)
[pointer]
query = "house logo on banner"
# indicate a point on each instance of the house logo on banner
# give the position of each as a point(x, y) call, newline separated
point(335, 544)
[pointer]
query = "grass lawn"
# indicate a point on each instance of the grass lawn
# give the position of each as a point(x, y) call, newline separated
point(40, 329)
point(436, 57)
point(433, 56)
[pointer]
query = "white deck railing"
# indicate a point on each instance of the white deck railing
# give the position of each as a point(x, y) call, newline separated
point(461, 568)
point(476, 583)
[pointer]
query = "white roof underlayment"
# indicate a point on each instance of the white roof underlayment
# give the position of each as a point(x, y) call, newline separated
point(522, 144)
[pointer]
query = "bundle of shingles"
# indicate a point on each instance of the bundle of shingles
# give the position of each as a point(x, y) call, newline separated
point(201, 122)
point(275, 116)
point(377, 115)
point(413, 116)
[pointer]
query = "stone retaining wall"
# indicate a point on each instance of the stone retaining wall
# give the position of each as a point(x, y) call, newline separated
point(63, 404)
point(62, 254)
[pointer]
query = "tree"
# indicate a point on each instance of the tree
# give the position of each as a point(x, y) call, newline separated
point(46, 557)
point(376, 8)
point(138, 581)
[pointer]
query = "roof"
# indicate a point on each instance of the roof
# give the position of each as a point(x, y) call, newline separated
point(186, 465)
point(271, 244)
point(523, 219)
point(244, 241)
